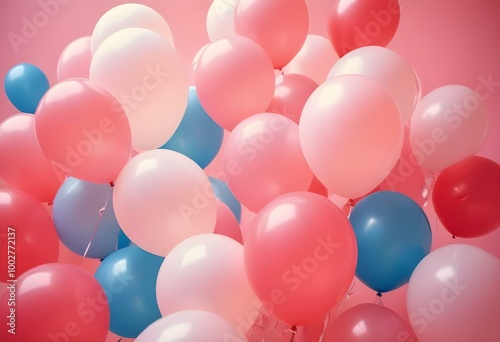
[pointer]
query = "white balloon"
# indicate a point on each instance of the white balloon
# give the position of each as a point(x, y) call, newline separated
point(220, 19)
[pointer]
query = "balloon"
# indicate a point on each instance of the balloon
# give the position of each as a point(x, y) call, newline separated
point(300, 257)
point(315, 59)
point(449, 124)
point(84, 218)
point(291, 94)
point(220, 19)
point(357, 23)
point(75, 59)
point(393, 235)
point(198, 136)
point(129, 16)
point(162, 197)
point(128, 277)
point(466, 197)
point(206, 272)
point(453, 295)
point(387, 68)
point(188, 326)
point(234, 79)
point(226, 223)
point(82, 131)
point(55, 302)
point(263, 159)
point(147, 77)
point(24, 165)
point(222, 192)
point(318, 188)
point(25, 85)
point(123, 240)
point(28, 237)
point(369, 322)
point(362, 133)
point(279, 26)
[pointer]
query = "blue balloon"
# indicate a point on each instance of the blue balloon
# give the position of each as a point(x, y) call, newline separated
point(77, 211)
point(123, 240)
point(222, 192)
point(25, 85)
point(128, 278)
point(198, 136)
point(393, 235)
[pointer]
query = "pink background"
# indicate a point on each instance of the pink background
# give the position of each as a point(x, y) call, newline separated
point(446, 41)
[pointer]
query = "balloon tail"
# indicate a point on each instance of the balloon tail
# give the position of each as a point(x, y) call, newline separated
point(379, 299)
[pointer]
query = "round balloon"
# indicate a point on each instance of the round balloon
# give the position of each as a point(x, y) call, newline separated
point(222, 192)
point(75, 59)
point(226, 223)
point(393, 235)
point(25, 84)
point(220, 19)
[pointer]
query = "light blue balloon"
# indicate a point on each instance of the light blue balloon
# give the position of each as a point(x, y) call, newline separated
point(77, 214)
point(393, 235)
point(198, 136)
point(25, 84)
point(222, 192)
point(128, 278)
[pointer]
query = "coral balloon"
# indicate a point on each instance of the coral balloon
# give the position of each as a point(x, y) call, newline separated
point(356, 23)
point(263, 160)
point(147, 77)
point(453, 295)
point(162, 197)
point(220, 19)
point(82, 130)
point(55, 302)
point(300, 257)
point(449, 124)
point(466, 197)
point(234, 79)
point(351, 139)
point(75, 59)
point(226, 223)
point(28, 237)
point(24, 165)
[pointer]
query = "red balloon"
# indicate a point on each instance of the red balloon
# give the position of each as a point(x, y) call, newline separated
point(356, 23)
point(27, 234)
point(55, 302)
point(466, 197)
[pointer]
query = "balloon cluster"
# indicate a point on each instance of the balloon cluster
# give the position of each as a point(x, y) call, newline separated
point(118, 149)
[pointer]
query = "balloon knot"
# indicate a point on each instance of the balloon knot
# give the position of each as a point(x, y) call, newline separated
point(379, 294)
point(453, 237)
point(50, 203)
point(293, 328)
point(351, 202)
point(111, 184)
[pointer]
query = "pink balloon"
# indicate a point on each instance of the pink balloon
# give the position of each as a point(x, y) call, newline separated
point(314, 60)
point(453, 295)
point(206, 272)
point(449, 124)
point(367, 323)
point(234, 79)
point(162, 197)
point(226, 223)
point(300, 257)
point(279, 26)
point(83, 130)
point(24, 166)
point(291, 94)
point(75, 59)
point(263, 160)
point(189, 326)
point(351, 139)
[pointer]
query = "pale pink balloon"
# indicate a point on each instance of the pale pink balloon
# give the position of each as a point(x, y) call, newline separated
point(387, 68)
point(75, 59)
point(234, 79)
point(351, 132)
point(162, 197)
point(23, 165)
point(263, 160)
point(314, 60)
point(279, 26)
point(453, 295)
point(220, 19)
point(291, 94)
point(83, 130)
point(449, 124)
point(189, 326)
point(226, 223)
point(206, 272)
point(148, 78)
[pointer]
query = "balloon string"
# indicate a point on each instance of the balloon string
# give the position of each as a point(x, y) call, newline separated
point(325, 326)
point(379, 299)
